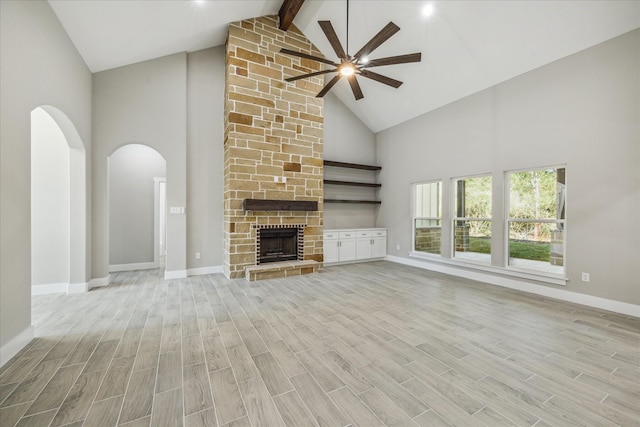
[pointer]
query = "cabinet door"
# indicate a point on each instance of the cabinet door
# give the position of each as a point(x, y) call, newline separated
point(330, 249)
point(363, 248)
point(347, 249)
point(379, 247)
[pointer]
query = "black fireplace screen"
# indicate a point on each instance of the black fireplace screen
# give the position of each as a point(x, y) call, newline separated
point(278, 244)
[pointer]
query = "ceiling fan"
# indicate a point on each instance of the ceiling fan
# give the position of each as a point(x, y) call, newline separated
point(358, 64)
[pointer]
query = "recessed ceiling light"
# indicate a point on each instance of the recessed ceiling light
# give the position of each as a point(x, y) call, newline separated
point(428, 10)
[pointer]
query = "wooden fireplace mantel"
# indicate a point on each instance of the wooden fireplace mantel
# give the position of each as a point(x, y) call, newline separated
point(279, 205)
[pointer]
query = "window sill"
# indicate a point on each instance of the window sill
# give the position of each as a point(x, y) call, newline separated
point(540, 276)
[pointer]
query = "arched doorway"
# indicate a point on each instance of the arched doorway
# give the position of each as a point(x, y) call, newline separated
point(136, 182)
point(58, 204)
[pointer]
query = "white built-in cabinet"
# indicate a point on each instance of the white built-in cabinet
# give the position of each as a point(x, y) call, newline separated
point(354, 244)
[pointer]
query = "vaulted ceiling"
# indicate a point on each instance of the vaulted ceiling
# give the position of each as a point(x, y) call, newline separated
point(466, 46)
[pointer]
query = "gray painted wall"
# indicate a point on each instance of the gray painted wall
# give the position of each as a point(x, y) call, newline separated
point(347, 139)
point(142, 103)
point(39, 66)
point(50, 201)
point(582, 111)
point(205, 156)
point(132, 169)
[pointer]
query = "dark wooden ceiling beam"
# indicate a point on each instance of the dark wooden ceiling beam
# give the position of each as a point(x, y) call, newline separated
point(288, 11)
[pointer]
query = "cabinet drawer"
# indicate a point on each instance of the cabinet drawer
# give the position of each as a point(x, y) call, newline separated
point(364, 233)
point(379, 233)
point(347, 234)
point(330, 236)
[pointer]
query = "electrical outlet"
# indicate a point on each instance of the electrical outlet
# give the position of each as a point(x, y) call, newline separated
point(197, 255)
point(586, 277)
point(397, 247)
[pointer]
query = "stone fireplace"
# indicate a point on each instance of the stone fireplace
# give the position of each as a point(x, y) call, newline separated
point(273, 150)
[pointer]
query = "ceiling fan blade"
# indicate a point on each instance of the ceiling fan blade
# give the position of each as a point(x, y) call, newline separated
point(400, 59)
point(328, 86)
point(384, 34)
point(304, 76)
point(355, 87)
point(331, 35)
point(380, 78)
point(306, 56)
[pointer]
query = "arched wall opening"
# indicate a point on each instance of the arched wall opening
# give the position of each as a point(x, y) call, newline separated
point(58, 204)
point(136, 186)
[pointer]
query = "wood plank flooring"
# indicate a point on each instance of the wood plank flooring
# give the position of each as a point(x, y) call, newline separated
point(369, 344)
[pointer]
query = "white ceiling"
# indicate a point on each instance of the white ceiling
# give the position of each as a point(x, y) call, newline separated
point(466, 46)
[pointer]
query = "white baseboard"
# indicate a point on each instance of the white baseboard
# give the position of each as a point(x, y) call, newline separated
point(56, 288)
point(561, 294)
point(204, 270)
point(175, 274)
point(16, 344)
point(99, 281)
point(134, 266)
point(76, 288)
point(52, 288)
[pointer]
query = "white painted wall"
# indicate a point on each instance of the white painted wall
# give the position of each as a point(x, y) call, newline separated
point(347, 139)
point(39, 66)
point(582, 111)
point(132, 169)
point(50, 201)
point(205, 156)
point(143, 103)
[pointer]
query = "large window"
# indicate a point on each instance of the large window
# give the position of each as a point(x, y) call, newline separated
point(427, 217)
point(536, 222)
point(472, 219)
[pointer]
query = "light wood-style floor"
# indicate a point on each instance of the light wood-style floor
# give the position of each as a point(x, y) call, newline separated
point(363, 345)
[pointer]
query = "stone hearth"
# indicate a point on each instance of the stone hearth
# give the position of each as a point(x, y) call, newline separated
point(273, 142)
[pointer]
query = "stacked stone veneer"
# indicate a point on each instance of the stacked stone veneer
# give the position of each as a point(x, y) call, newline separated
point(461, 240)
point(273, 129)
point(428, 239)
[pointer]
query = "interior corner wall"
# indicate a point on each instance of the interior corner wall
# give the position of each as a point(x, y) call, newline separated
point(347, 139)
point(582, 111)
point(39, 66)
point(205, 157)
point(143, 103)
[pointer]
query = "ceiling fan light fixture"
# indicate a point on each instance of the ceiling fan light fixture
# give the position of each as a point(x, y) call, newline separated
point(357, 65)
point(347, 69)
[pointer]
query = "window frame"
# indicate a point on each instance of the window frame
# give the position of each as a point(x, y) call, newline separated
point(454, 218)
point(508, 220)
point(414, 218)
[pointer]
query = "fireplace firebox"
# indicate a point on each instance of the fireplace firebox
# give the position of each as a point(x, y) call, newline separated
point(277, 244)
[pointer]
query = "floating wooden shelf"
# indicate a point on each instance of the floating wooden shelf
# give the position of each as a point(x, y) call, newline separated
point(364, 202)
point(279, 205)
point(351, 165)
point(351, 183)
